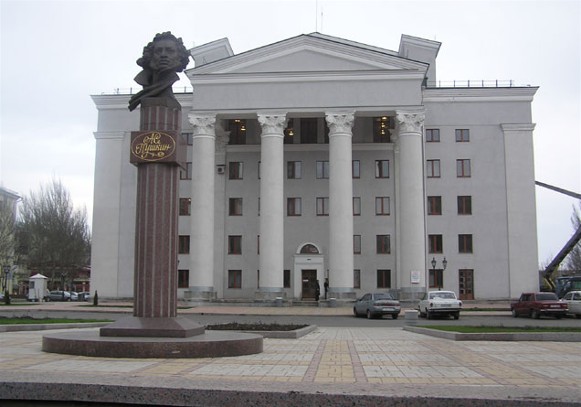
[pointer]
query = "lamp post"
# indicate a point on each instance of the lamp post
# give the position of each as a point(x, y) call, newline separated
point(434, 264)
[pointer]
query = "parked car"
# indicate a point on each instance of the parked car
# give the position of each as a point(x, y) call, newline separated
point(440, 303)
point(58, 296)
point(536, 304)
point(573, 300)
point(85, 296)
point(74, 296)
point(377, 305)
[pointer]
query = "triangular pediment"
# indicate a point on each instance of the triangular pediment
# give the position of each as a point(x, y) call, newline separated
point(310, 53)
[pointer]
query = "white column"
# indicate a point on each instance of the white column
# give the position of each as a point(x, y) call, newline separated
point(340, 205)
point(412, 239)
point(271, 205)
point(202, 207)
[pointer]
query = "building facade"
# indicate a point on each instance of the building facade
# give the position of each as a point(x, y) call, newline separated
point(317, 159)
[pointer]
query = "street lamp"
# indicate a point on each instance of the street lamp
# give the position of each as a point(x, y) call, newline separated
point(434, 264)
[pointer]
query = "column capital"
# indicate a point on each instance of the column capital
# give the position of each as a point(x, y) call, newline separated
point(203, 124)
point(410, 122)
point(340, 122)
point(272, 123)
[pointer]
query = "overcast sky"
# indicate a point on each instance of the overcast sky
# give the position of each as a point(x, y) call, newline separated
point(55, 54)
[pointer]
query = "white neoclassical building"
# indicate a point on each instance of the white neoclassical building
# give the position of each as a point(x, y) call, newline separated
point(317, 158)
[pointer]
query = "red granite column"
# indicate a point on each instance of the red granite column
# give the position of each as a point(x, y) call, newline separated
point(157, 150)
point(156, 243)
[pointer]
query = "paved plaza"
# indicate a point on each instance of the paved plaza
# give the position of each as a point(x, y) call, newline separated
point(327, 367)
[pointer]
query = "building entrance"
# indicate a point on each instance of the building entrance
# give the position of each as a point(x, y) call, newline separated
point(309, 284)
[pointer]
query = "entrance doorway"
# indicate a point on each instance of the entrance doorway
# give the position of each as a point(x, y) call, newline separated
point(466, 284)
point(309, 284)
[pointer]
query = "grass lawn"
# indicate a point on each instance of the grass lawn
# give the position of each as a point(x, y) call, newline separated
point(30, 321)
point(498, 329)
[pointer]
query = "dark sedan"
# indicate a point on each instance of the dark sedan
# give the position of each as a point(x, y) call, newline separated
point(377, 305)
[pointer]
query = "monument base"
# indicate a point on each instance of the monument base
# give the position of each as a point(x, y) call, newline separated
point(208, 345)
point(178, 327)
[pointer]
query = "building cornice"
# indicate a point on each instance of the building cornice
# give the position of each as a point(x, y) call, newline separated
point(514, 94)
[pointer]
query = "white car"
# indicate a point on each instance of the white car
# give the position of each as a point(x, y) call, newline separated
point(573, 300)
point(440, 303)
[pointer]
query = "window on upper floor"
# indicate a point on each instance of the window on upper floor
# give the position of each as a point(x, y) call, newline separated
point(463, 169)
point(184, 244)
point(235, 206)
point(432, 135)
point(434, 205)
point(322, 169)
point(323, 206)
point(235, 170)
point(188, 138)
point(356, 206)
point(382, 205)
point(383, 244)
point(186, 173)
point(464, 205)
point(293, 207)
point(433, 168)
point(185, 206)
point(435, 244)
point(289, 132)
point(356, 244)
point(237, 129)
point(309, 130)
point(294, 169)
point(356, 169)
point(235, 244)
point(464, 243)
point(462, 135)
point(381, 168)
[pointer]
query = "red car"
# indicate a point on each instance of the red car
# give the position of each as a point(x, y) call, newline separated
point(536, 304)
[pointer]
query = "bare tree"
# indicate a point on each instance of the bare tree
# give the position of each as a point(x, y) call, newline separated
point(573, 261)
point(53, 237)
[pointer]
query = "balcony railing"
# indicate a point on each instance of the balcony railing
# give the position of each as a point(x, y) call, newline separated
point(475, 83)
point(464, 83)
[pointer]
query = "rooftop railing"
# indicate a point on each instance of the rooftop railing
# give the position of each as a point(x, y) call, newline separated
point(465, 83)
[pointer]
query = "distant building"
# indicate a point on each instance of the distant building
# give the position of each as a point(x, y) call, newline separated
point(318, 157)
point(8, 279)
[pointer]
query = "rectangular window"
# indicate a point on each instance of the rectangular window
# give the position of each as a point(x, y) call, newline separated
point(382, 205)
point(381, 168)
point(462, 135)
point(286, 279)
point(309, 130)
point(293, 169)
point(356, 244)
point(383, 245)
point(235, 170)
point(258, 244)
point(382, 127)
point(183, 278)
point(237, 129)
point(435, 243)
point(322, 206)
point(234, 244)
point(463, 168)
point(356, 278)
point(185, 206)
point(235, 207)
point(186, 173)
point(432, 135)
point(433, 168)
point(356, 169)
point(465, 205)
point(234, 278)
point(383, 278)
point(434, 205)
point(322, 169)
point(184, 244)
point(465, 243)
point(436, 278)
point(293, 207)
point(356, 206)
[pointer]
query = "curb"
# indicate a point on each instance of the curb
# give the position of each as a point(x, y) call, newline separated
point(505, 337)
point(44, 327)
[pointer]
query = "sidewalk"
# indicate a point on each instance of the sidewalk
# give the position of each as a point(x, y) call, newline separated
point(328, 367)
